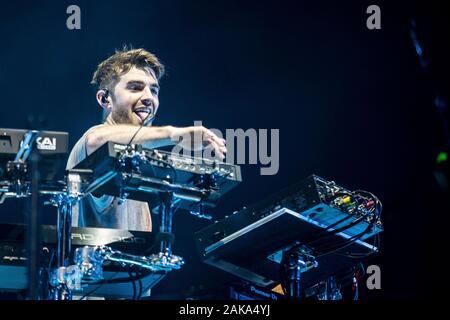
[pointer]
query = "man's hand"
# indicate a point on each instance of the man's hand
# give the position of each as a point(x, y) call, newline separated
point(197, 138)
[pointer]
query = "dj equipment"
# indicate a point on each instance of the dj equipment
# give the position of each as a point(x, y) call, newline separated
point(131, 174)
point(124, 171)
point(52, 146)
point(15, 168)
point(13, 257)
point(298, 239)
point(320, 223)
point(31, 163)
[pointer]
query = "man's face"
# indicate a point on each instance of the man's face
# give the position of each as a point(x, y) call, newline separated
point(135, 97)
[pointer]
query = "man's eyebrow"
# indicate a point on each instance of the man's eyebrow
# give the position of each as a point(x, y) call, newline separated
point(140, 82)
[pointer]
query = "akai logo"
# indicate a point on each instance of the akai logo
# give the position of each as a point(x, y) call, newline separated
point(46, 143)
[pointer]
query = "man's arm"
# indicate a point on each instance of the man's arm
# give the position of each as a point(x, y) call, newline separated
point(155, 136)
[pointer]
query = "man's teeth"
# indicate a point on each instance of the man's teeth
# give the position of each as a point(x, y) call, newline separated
point(142, 110)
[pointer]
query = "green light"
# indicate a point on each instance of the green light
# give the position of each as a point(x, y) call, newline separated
point(441, 157)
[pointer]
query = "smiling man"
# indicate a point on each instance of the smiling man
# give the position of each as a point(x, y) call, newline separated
point(128, 92)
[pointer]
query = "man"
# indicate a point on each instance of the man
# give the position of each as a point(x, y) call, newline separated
point(128, 89)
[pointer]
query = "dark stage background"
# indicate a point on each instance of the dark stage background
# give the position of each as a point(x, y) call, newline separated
point(352, 105)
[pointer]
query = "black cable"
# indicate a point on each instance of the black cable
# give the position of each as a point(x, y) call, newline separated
point(142, 275)
point(338, 222)
point(121, 280)
point(114, 281)
point(138, 276)
point(99, 285)
point(322, 236)
point(325, 231)
point(346, 243)
point(139, 129)
point(376, 243)
point(140, 289)
point(133, 284)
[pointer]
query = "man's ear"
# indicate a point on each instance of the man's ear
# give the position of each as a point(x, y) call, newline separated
point(103, 99)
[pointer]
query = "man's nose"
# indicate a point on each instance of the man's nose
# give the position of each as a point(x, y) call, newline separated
point(147, 98)
point(146, 102)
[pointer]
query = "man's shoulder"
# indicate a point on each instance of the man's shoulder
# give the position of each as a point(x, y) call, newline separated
point(95, 127)
point(85, 134)
point(78, 152)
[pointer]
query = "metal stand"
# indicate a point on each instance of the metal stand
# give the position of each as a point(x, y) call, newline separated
point(296, 260)
point(165, 228)
point(33, 232)
point(18, 171)
point(65, 203)
point(89, 260)
point(292, 266)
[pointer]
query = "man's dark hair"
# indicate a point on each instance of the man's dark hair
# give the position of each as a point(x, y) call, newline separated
point(109, 71)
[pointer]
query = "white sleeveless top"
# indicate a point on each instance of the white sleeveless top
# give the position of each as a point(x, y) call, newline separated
point(106, 212)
